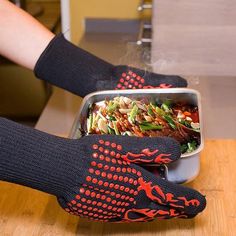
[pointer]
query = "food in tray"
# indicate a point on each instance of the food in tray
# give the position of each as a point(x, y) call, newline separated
point(125, 116)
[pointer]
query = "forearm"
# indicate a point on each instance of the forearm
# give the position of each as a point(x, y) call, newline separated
point(23, 38)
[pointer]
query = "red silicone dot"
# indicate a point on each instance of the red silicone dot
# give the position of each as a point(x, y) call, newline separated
point(113, 161)
point(131, 191)
point(119, 86)
point(142, 81)
point(90, 208)
point(113, 194)
point(118, 169)
point(73, 202)
point(115, 177)
point(124, 163)
point(83, 200)
point(126, 190)
point(113, 202)
point(129, 86)
point(112, 168)
point(105, 213)
point(90, 214)
point(127, 77)
point(78, 205)
point(131, 181)
point(135, 182)
point(106, 167)
point(103, 174)
point(94, 181)
point(130, 72)
point(122, 80)
point(101, 149)
point(119, 147)
point(101, 141)
point(95, 215)
point(140, 86)
point(124, 170)
point(100, 165)
point(131, 199)
point(116, 186)
point(107, 159)
point(105, 184)
point(121, 178)
point(67, 209)
point(123, 203)
point(122, 187)
point(132, 81)
point(134, 171)
point(103, 197)
point(100, 182)
point(123, 74)
point(84, 206)
point(104, 205)
point(94, 203)
point(97, 172)
point(87, 192)
point(93, 163)
point(118, 195)
point(138, 78)
point(114, 208)
point(108, 199)
point(136, 83)
point(91, 170)
point(118, 203)
point(109, 176)
point(95, 146)
point(135, 193)
point(77, 197)
point(127, 198)
point(111, 185)
point(101, 157)
point(109, 207)
point(112, 153)
point(89, 201)
point(88, 178)
point(118, 155)
point(126, 83)
point(107, 143)
point(81, 190)
point(126, 204)
point(129, 170)
point(119, 210)
point(122, 87)
point(126, 179)
point(113, 145)
point(139, 173)
point(134, 75)
point(85, 212)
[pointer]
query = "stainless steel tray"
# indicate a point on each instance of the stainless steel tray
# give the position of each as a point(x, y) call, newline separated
point(188, 166)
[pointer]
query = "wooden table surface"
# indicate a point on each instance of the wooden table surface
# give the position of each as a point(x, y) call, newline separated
point(26, 212)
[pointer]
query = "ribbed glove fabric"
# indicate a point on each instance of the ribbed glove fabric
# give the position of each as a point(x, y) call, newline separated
point(78, 71)
point(95, 176)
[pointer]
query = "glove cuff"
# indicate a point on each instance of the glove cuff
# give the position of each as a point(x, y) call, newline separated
point(38, 160)
point(70, 67)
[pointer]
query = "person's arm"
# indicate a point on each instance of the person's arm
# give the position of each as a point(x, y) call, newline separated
point(54, 59)
point(22, 38)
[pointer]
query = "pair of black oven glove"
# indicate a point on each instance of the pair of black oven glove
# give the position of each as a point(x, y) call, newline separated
point(97, 176)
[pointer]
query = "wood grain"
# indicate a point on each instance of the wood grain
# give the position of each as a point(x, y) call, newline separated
point(24, 211)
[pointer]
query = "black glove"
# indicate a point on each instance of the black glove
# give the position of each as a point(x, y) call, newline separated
point(92, 177)
point(70, 67)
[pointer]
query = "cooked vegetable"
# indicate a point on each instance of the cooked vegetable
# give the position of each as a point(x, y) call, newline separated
point(124, 116)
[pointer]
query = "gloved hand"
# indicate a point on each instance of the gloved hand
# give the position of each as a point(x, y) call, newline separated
point(95, 176)
point(70, 67)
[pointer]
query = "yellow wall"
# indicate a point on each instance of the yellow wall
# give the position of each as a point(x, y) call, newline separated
point(116, 9)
